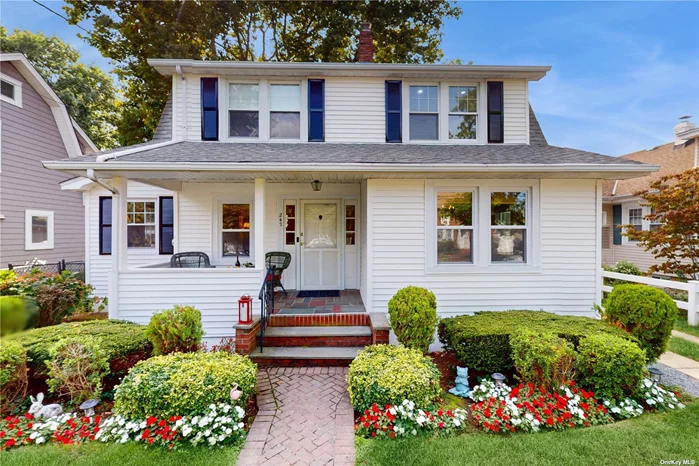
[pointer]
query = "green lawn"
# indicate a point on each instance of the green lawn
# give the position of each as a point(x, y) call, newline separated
point(643, 441)
point(682, 325)
point(684, 348)
point(128, 454)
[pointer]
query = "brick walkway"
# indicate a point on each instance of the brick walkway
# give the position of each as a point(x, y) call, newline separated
point(305, 418)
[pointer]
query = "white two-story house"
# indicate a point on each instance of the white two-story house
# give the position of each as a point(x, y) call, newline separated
point(371, 176)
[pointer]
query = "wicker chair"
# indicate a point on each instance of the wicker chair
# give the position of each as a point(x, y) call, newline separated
point(193, 260)
point(280, 261)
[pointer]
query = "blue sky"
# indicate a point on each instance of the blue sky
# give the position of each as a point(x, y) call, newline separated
point(623, 72)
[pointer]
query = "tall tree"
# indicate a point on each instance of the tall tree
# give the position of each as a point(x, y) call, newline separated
point(88, 92)
point(131, 32)
point(674, 203)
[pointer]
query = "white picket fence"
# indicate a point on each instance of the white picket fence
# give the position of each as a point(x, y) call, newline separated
point(691, 287)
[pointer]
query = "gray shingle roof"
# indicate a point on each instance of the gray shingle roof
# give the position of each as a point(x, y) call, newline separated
point(164, 130)
point(536, 135)
point(324, 153)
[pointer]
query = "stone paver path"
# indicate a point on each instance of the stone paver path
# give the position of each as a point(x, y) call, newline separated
point(305, 418)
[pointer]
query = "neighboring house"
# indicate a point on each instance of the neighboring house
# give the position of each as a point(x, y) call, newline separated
point(37, 218)
point(623, 207)
point(372, 176)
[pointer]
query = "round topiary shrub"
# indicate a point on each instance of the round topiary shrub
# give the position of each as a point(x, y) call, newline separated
point(175, 330)
point(611, 367)
point(413, 316)
point(13, 374)
point(386, 374)
point(184, 384)
point(645, 312)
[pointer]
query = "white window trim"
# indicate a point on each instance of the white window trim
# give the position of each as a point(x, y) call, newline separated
point(443, 112)
point(263, 109)
point(17, 101)
point(626, 220)
point(155, 225)
point(217, 249)
point(482, 226)
point(473, 227)
point(28, 244)
point(476, 113)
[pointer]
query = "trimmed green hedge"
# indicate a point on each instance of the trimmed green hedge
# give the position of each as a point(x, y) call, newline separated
point(482, 341)
point(119, 339)
point(387, 374)
point(184, 384)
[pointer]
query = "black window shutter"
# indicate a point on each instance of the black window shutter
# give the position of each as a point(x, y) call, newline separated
point(616, 218)
point(209, 109)
point(316, 110)
point(496, 128)
point(393, 111)
point(166, 225)
point(105, 226)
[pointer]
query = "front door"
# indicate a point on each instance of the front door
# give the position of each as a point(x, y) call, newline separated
point(320, 246)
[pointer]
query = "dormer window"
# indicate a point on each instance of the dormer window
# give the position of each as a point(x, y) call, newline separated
point(285, 111)
point(243, 110)
point(10, 90)
point(463, 112)
point(424, 113)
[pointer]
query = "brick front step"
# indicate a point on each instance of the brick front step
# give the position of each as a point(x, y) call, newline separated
point(307, 357)
point(336, 336)
point(318, 320)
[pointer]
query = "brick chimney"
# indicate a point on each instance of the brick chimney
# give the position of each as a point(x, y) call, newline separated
point(366, 43)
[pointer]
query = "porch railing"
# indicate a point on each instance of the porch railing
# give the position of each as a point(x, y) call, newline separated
point(266, 298)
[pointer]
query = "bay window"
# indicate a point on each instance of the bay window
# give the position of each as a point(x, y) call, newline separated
point(243, 110)
point(454, 227)
point(424, 113)
point(235, 230)
point(140, 224)
point(285, 111)
point(463, 112)
point(508, 226)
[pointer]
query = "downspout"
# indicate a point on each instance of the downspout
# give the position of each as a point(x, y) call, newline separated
point(90, 175)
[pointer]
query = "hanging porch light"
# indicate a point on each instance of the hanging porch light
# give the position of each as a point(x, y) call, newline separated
point(316, 185)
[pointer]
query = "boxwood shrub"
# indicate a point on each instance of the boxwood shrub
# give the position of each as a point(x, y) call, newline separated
point(120, 340)
point(646, 312)
point(542, 358)
point(610, 366)
point(386, 374)
point(13, 374)
point(183, 384)
point(482, 341)
point(413, 314)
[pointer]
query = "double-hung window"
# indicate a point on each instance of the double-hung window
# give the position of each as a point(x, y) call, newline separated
point(455, 227)
point(636, 218)
point(235, 230)
point(243, 110)
point(508, 226)
point(140, 224)
point(285, 111)
point(463, 112)
point(656, 223)
point(424, 113)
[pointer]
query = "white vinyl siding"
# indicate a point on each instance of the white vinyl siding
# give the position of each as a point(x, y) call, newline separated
point(355, 110)
point(564, 281)
point(516, 108)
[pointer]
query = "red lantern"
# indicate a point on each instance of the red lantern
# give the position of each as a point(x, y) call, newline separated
point(245, 309)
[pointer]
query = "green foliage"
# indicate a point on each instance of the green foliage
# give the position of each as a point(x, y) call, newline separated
point(482, 341)
point(128, 33)
point(386, 374)
point(175, 330)
point(627, 267)
point(57, 296)
point(184, 384)
point(610, 366)
point(14, 314)
point(413, 315)
point(13, 374)
point(76, 366)
point(645, 312)
point(87, 92)
point(119, 339)
point(542, 358)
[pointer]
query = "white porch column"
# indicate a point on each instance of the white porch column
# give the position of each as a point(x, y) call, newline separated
point(119, 258)
point(259, 223)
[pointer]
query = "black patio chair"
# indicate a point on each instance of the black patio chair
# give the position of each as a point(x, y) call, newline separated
point(280, 261)
point(190, 260)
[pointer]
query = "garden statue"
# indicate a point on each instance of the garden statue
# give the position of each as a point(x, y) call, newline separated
point(462, 389)
point(236, 392)
point(38, 410)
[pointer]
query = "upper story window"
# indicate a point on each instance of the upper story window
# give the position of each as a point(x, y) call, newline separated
point(10, 90)
point(38, 230)
point(243, 110)
point(463, 112)
point(424, 113)
point(285, 111)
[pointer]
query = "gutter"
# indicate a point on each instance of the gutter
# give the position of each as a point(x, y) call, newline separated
point(90, 175)
point(135, 150)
